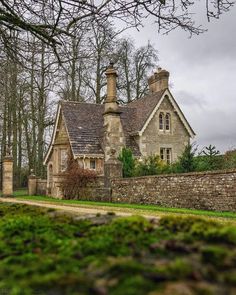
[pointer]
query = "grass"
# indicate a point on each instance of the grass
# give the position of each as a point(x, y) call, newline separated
point(45, 252)
point(138, 209)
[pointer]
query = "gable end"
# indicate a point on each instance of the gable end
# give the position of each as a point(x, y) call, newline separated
point(177, 110)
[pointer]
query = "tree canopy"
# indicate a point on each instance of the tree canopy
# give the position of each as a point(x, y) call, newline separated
point(50, 20)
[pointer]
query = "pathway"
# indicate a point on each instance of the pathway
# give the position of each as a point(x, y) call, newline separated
point(81, 209)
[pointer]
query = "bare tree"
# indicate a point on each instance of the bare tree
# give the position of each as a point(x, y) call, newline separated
point(135, 65)
point(50, 20)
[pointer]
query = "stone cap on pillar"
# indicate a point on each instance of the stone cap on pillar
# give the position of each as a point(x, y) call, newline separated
point(32, 175)
point(8, 156)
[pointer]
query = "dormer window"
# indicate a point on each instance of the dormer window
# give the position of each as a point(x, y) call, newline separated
point(161, 121)
point(167, 122)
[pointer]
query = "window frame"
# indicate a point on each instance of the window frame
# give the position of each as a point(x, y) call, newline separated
point(162, 154)
point(161, 121)
point(63, 159)
point(94, 161)
point(167, 122)
point(166, 154)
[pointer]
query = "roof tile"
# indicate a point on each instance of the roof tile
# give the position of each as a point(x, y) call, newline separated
point(84, 122)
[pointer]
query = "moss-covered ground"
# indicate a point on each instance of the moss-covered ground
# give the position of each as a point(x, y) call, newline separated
point(43, 251)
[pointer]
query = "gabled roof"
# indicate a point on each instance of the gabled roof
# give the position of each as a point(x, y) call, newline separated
point(144, 107)
point(159, 99)
point(84, 123)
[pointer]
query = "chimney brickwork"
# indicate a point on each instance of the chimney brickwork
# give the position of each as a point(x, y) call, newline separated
point(159, 81)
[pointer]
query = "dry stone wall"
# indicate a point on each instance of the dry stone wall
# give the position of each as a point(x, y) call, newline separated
point(205, 190)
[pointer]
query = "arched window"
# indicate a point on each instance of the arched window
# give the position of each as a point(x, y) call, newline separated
point(161, 121)
point(167, 122)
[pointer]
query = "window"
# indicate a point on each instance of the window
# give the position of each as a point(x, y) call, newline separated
point(168, 156)
point(92, 164)
point(162, 153)
point(164, 121)
point(165, 154)
point(63, 160)
point(167, 122)
point(161, 123)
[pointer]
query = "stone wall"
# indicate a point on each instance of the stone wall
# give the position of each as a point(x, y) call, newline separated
point(41, 187)
point(205, 190)
point(95, 192)
point(98, 194)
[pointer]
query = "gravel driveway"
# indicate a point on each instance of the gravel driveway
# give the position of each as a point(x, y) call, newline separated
point(82, 209)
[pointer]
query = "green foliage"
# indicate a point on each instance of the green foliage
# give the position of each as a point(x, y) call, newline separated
point(229, 159)
point(128, 161)
point(210, 151)
point(151, 165)
point(139, 208)
point(209, 159)
point(186, 161)
point(214, 254)
point(44, 251)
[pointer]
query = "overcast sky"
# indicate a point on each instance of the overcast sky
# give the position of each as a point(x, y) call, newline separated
point(203, 76)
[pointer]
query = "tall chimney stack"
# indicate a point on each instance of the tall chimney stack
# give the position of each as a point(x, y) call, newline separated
point(159, 80)
point(111, 99)
point(114, 138)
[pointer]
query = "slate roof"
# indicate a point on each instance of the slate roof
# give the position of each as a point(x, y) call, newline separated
point(84, 123)
point(143, 108)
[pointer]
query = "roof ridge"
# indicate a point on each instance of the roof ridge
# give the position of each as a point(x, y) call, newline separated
point(145, 96)
point(79, 102)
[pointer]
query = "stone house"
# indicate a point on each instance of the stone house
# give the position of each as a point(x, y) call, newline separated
point(94, 133)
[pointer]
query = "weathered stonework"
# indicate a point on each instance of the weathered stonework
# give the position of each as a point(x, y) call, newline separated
point(32, 185)
point(204, 190)
point(41, 187)
point(114, 138)
point(113, 135)
point(159, 80)
point(7, 181)
point(112, 169)
point(37, 186)
point(153, 139)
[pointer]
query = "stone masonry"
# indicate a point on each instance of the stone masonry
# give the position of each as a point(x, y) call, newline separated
point(113, 132)
point(214, 190)
point(7, 184)
point(153, 139)
point(113, 139)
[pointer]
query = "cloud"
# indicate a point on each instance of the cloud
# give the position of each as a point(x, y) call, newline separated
point(217, 43)
point(187, 99)
point(203, 75)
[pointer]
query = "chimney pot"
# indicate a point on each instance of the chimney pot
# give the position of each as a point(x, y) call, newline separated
point(159, 80)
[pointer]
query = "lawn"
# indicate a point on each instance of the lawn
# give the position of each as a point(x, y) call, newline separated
point(44, 251)
point(136, 208)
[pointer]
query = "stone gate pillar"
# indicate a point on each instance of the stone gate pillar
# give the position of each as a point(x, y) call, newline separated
point(32, 184)
point(112, 169)
point(7, 176)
